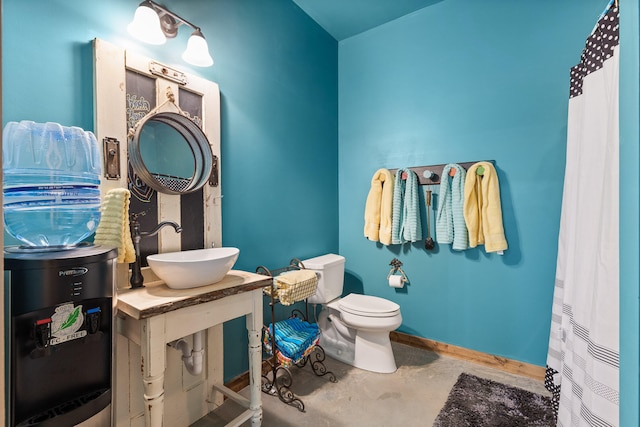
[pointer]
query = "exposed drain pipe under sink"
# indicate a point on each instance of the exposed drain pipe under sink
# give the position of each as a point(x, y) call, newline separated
point(192, 357)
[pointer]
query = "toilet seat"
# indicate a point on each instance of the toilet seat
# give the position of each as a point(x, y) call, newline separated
point(368, 306)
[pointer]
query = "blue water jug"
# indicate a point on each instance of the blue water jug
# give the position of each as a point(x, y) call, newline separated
point(51, 183)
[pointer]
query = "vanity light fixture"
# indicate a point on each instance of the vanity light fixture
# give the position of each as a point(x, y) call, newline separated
point(153, 24)
point(146, 25)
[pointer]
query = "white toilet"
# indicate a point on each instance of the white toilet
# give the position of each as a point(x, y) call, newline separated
point(354, 329)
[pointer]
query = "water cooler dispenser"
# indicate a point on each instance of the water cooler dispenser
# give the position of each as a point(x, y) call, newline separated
point(60, 311)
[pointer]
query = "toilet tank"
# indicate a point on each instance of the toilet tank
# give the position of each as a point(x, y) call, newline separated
point(330, 271)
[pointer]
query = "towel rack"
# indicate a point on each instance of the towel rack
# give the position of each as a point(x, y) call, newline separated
point(278, 379)
point(437, 171)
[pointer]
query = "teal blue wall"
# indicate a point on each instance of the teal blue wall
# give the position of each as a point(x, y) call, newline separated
point(629, 214)
point(462, 81)
point(277, 72)
point(457, 81)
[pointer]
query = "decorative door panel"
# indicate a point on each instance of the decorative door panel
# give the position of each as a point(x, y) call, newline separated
point(128, 87)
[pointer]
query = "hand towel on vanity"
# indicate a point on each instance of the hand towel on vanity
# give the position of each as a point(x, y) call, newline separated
point(378, 208)
point(482, 209)
point(406, 225)
point(113, 229)
point(450, 224)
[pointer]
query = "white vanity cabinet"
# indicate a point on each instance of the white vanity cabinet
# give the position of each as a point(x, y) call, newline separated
point(155, 315)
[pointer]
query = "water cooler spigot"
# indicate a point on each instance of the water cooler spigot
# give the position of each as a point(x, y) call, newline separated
point(92, 318)
point(43, 333)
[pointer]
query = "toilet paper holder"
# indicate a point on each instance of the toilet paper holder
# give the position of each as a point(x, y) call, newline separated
point(396, 267)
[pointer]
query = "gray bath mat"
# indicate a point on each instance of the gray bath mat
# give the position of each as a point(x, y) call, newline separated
point(478, 402)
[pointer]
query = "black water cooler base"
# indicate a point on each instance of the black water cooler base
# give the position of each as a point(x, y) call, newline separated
point(71, 413)
point(61, 342)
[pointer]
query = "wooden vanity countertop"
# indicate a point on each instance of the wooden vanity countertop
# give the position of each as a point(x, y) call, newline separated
point(157, 298)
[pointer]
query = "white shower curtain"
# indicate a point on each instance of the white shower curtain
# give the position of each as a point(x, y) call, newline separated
point(583, 356)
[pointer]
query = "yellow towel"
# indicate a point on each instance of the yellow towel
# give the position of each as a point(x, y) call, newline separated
point(295, 286)
point(291, 278)
point(379, 207)
point(482, 209)
point(113, 229)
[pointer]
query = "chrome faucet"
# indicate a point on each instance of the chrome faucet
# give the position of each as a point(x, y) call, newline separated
point(136, 235)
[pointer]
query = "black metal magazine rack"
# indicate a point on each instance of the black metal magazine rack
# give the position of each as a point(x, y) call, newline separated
point(301, 348)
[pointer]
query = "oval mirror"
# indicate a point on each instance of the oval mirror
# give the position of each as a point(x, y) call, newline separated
point(170, 153)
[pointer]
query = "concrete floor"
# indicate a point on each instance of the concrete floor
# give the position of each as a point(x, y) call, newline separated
point(412, 396)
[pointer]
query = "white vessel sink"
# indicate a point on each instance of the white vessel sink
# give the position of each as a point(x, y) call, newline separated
point(194, 268)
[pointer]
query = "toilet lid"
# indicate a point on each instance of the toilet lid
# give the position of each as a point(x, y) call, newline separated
point(367, 305)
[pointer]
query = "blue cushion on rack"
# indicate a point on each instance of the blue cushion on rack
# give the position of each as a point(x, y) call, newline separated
point(294, 337)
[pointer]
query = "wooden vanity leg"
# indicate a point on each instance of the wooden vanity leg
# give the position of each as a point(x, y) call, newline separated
point(254, 327)
point(152, 344)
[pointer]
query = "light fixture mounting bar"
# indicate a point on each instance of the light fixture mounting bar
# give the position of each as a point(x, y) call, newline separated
point(162, 11)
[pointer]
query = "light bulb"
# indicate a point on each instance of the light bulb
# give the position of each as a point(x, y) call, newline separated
point(146, 25)
point(197, 52)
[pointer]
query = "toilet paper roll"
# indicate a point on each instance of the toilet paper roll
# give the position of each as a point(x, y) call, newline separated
point(396, 281)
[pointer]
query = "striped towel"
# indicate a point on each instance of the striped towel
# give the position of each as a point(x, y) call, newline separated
point(406, 225)
point(450, 223)
point(113, 229)
point(295, 339)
